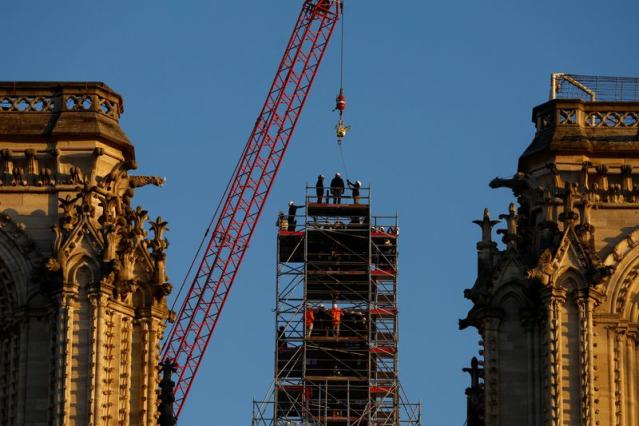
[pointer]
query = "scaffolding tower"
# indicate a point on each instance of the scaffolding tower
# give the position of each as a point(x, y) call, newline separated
point(336, 319)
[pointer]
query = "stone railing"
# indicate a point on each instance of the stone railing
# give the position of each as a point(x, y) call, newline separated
point(53, 98)
point(595, 115)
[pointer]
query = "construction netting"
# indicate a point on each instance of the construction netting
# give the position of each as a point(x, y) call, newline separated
point(595, 88)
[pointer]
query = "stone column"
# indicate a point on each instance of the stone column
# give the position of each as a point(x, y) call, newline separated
point(585, 305)
point(65, 355)
point(553, 301)
point(631, 365)
point(490, 327)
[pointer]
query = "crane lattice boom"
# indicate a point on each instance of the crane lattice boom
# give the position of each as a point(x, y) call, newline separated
point(248, 190)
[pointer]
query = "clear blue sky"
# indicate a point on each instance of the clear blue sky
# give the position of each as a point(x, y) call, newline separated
point(440, 97)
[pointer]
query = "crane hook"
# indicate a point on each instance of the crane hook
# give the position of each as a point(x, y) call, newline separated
point(341, 129)
point(340, 101)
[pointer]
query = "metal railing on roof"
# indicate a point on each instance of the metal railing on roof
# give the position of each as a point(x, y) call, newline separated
point(594, 88)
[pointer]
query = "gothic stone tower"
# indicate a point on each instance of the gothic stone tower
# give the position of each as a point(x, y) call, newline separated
point(558, 307)
point(82, 289)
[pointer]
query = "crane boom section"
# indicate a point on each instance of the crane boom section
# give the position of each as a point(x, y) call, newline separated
point(248, 190)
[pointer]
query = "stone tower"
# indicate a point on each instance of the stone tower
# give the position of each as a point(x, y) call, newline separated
point(82, 287)
point(558, 306)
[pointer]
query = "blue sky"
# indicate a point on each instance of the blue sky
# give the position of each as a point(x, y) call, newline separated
point(440, 98)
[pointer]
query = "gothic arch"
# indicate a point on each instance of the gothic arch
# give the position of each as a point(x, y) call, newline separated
point(19, 263)
point(81, 261)
point(512, 289)
point(19, 285)
point(570, 279)
point(8, 292)
point(622, 290)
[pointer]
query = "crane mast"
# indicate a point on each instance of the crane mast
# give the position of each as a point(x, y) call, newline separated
point(248, 190)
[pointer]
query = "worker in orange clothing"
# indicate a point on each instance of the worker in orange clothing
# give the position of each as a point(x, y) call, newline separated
point(336, 318)
point(307, 396)
point(309, 319)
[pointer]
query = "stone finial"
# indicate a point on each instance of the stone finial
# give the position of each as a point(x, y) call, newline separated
point(510, 233)
point(585, 179)
point(69, 212)
point(159, 244)
point(569, 196)
point(159, 227)
point(486, 226)
point(139, 217)
point(475, 372)
point(585, 230)
point(554, 171)
point(602, 174)
point(475, 394)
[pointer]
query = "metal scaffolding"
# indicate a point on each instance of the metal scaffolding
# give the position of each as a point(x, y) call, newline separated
point(336, 322)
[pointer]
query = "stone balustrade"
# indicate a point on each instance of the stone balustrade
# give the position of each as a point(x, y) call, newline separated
point(577, 113)
point(54, 98)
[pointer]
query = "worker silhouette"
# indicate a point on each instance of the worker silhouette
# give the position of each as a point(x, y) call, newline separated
point(292, 211)
point(337, 188)
point(355, 187)
point(319, 188)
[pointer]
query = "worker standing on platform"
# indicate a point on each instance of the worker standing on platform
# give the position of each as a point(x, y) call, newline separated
point(307, 396)
point(355, 187)
point(282, 222)
point(292, 211)
point(337, 188)
point(309, 319)
point(319, 188)
point(336, 317)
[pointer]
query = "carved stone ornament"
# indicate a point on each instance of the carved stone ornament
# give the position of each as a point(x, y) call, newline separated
point(98, 222)
point(486, 226)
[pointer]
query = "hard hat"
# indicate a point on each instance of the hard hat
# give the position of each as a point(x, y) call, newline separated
point(338, 174)
point(359, 182)
point(321, 176)
point(290, 203)
point(321, 305)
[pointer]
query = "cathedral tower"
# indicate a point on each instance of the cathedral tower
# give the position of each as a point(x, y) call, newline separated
point(558, 306)
point(82, 286)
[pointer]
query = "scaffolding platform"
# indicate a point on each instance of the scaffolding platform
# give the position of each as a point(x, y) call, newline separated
point(337, 261)
point(339, 210)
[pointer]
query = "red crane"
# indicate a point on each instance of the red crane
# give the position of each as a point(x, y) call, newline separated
point(248, 190)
